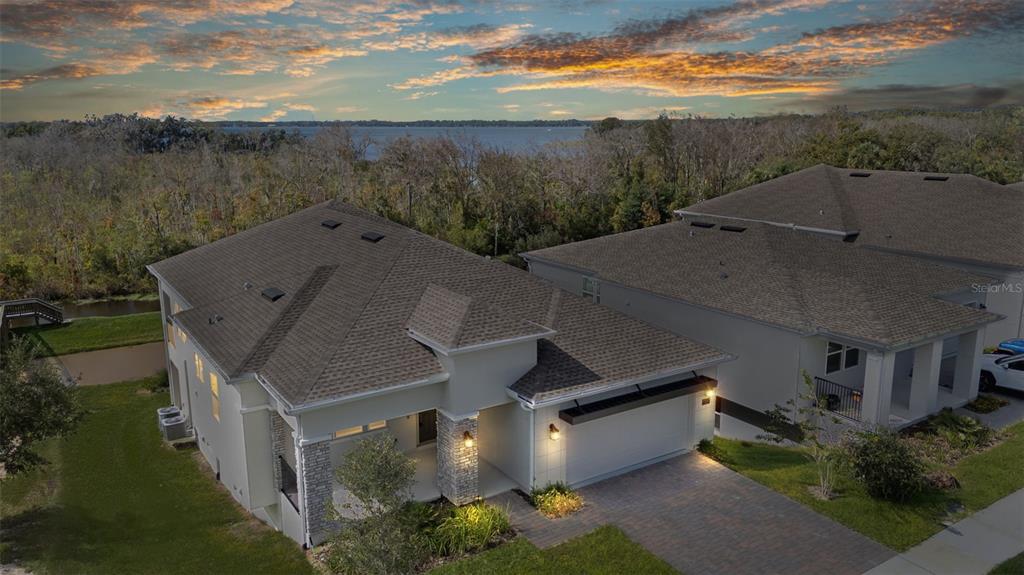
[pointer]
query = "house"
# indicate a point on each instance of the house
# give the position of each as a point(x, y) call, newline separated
point(957, 220)
point(288, 342)
point(869, 326)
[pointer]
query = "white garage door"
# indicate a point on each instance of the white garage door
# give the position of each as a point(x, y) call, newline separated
point(604, 446)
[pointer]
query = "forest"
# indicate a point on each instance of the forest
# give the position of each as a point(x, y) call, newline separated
point(85, 205)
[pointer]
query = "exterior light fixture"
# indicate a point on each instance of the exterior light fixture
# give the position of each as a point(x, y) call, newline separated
point(467, 439)
point(553, 432)
point(709, 392)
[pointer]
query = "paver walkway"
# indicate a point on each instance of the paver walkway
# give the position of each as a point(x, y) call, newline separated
point(971, 546)
point(115, 364)
point(704, 518)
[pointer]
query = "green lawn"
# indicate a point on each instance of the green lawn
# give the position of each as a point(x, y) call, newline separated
point(92, 333)
point(604, 551)
point(1012, 566)
point(984, 477)
point(115, 500)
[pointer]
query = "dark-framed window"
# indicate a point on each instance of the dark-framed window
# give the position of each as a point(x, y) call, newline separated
point(289, 483)
point(839, 357)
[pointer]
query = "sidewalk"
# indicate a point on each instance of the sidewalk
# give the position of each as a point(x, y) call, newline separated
point(971, 546)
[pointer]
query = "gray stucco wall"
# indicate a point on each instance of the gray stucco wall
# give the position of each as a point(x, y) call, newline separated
point(505, 441)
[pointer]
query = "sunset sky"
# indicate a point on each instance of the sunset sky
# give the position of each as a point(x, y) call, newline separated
point(279, 60)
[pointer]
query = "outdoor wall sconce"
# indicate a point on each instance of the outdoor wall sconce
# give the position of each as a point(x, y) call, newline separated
point(709, 392)
point(553, 432)
point(467, 439)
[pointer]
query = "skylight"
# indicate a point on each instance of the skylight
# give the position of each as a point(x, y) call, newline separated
point(373, 236)
point(330, 224)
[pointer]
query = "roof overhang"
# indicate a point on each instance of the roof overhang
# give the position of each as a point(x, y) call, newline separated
point(447, 351)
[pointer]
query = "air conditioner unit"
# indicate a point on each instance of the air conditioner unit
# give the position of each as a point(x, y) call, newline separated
point(174, 428)
point(164, 413)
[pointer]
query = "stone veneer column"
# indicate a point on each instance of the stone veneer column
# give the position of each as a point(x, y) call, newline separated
point(316, 473)
point(457, 465)
point(281, 440)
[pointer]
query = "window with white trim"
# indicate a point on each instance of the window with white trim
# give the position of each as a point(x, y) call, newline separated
point(839, 357)
point(591, 289)
point(199, 366)
point(357, 429)
point(215, 395)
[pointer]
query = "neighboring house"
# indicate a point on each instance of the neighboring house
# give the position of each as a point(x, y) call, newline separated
point(288, 342)
point(958, 220)
point(868, 326)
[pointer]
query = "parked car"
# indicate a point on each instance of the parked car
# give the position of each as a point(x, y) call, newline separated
point(999, 369)
point(1013, 346)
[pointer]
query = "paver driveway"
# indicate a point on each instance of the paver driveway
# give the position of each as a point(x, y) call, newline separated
point(704, 518)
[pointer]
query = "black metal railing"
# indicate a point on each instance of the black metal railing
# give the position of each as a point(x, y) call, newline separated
point(839, 399)
point(289, 482)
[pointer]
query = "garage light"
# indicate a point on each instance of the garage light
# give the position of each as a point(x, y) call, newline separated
point(709, 392)
point(467, 439)
point(553, 432)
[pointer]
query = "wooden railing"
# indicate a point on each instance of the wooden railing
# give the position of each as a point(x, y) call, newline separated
point(30, 307)
point(837, 398)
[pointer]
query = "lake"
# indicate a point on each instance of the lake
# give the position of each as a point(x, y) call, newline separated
point(513, 138)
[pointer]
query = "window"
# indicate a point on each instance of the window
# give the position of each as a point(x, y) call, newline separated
point(839, 357)
point(592, 289)
point(1016, 365)
point(182, 335)
point(215, 395)
point(199, 366)
point(176, 308)
point(170, 333)
point(357, 429)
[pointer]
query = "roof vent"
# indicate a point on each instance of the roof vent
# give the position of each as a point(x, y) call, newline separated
point(936, 178)
point(702, 224)
point(247, 286)
point(216, 318)
point(851, 237)
point(330, 224)
point(373, 236)
point(723, 276)
point(736, 229)
point(859, 174)
point(272, 294)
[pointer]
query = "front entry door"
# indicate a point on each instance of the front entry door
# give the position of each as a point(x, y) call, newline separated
point(427, 426)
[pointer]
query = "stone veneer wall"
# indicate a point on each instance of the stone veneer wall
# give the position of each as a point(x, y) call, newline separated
point(317, 489)
point(281, 435)
point(457, 465)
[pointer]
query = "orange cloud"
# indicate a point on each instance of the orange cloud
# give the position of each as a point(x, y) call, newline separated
point(102, 63)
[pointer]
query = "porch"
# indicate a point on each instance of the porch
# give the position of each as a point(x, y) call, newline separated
point(899, 388)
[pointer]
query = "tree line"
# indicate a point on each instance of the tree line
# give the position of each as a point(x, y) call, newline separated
point(84, 206)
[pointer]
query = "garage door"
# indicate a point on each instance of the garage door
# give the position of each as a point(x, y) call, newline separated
point(603, 446)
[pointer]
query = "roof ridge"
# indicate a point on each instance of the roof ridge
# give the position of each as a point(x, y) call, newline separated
point(287, 319)
point(362, 311)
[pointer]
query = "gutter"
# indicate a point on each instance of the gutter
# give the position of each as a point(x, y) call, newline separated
point(478, 346)
point(527, 403)
point(291, 409)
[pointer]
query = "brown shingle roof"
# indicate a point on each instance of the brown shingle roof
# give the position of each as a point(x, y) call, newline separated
point(342, 326)
point(798, 280)
point(961, 218)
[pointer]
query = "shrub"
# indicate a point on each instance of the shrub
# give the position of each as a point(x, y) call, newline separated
point(960, 431)
point(469, 528)
point(888, 466)
point(556, 500)
point(986, 404)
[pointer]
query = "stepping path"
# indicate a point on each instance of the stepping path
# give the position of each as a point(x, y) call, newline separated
point(970, 546)
point(705, 519)
point(115, 364)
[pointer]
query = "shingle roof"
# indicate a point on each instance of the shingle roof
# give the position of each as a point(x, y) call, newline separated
point(1019, 186)
point(913, 212)
point(798, 280)
point(342, 327)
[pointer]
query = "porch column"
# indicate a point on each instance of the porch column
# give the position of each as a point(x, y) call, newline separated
point(315, 473)
point(968, 357)
point(878, 372)
point(457, 456)
point(924, 385)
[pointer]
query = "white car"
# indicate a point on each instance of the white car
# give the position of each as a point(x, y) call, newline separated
point(1002, 369)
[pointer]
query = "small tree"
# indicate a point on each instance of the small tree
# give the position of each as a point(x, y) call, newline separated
point(35, 404)
point(382, 539)
point(805, 421)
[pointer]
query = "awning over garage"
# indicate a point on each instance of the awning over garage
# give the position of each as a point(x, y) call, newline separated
point(582, 413)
